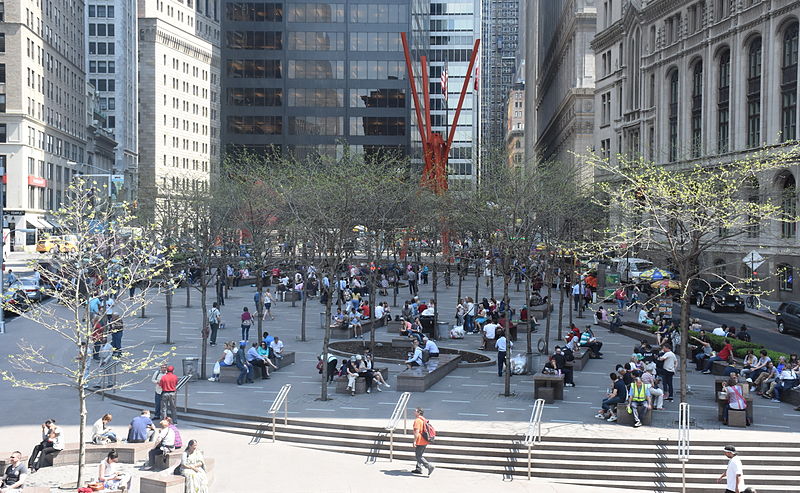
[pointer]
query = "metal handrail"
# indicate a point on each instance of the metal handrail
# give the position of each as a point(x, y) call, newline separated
point(683, 440)
point(107, 374)
point(280, 400)
point(534, 433)
point(399, 411)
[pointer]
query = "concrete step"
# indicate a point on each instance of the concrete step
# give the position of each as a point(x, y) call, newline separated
point(659, 487)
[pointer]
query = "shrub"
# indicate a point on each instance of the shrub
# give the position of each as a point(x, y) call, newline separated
point(773, 355)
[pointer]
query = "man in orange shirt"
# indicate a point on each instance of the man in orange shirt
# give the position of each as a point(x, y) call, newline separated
point(420, 443)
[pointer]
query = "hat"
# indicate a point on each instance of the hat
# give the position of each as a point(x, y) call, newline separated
point(358, 357)
point(352, 358)
point(730, 448)
point(242, 343)
point(170, 368)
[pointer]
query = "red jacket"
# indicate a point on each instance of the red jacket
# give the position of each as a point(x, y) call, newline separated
point(168, 382)
point(725, 352)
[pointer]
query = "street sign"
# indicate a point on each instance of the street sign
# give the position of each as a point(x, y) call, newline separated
point(14, 213)
point(753, 260)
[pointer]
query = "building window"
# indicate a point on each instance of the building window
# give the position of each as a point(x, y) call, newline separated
point(3, 132)
point(753, 227)
point(697, 109)
point(785, 277)
point(2, 42)
point(788, 206)
point(605, 104)
point(673, 116)
point(2, 73)
point(754, 93)
point(723, 102)
point(789, 84)
point(605, 148)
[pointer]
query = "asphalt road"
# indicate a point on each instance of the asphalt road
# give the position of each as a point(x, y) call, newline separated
point(761, 330)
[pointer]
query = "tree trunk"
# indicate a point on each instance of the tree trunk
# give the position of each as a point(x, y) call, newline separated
point(547, 319)
point(304, 294)
point(435, 332)
point(142, 313)
point(204, 326)
point(506, 281)
point(188, 294)
point(81, 432)
point(491, 278)
point(169, 314)
point(260, 304)
point(325, 342)
point(529, 322)
point(460, 281)
point(560, 312)
point(684, 340)
point(477, 280)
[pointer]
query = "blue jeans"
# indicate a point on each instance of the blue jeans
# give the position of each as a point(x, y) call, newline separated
point(501, 361)
point(783, 386)
point(116, 341)
point(710, 361)
point(157, 413)
point(246, 332)
point(621, 304)
point(613, 401)
point(245, 374)
point(469, 323)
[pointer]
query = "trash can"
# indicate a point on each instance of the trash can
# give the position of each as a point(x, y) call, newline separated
point(323, 322)
point(427, 325)
point(191, 366)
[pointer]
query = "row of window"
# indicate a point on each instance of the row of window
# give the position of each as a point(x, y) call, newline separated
point(101, 48)
point(377, 98)
point(103, 85)
point(465, 24)
point(316, 41)
point(378, 13)
point(101, 11)
point(317, 12)
point(102, 67)
point(452, 8)
point(254, 11)
point(317, 125)
point(254, 69)
point(254, 40)
point(316, 69)
point(375, 42)
point(101, 29)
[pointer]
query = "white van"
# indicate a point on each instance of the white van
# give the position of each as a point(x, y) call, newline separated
point(630, 268)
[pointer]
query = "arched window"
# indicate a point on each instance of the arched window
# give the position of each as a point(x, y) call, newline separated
point(785, 277)
point(788, 205)
point(789, 84)
point(723, 102)
point(673, 116)
point(697, 109)
point(754, 93)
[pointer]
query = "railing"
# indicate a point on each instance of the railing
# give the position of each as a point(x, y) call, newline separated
point(280, 400)
point(108, 377)
point(683, 441)
point(534, 433)
point(399, 411)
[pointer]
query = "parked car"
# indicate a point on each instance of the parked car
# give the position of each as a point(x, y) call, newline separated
point(788, 317)
point(30, 286)
point(15, 301)
point(66, 243)
point(716, 296)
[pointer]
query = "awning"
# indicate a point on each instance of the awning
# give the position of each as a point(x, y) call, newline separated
point(52, 220)
point(46, 224)
point(38, 223)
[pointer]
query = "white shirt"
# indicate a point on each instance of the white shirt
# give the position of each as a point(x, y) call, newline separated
point(719, 332)
point(110, 306)
point(670, 361)
point(379, 311)
point(502, 343)
point(642, 316)
point(431, 347)
point(428, 312)
point(167, 437)
point(734, 468)
point(157, 378)
point(228, 359)
point(489, 330)
point(277, 347)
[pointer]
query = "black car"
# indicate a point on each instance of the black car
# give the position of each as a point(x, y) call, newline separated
point(788, 317)
point(716, 296)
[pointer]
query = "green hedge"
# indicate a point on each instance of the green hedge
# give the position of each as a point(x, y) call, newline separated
point(773, 355)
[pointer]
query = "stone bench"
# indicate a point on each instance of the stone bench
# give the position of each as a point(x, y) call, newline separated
point(168, 482)
point(718, 368)
point(288, 296)
point(791, 396)
point(421, 378)
point(581, 358)
point(361, 382)
point(624, 418)
point(393, 327)
point(552, 382)
point(402, 342)
point(286, 360)
point(347, 332)
point(129, 453)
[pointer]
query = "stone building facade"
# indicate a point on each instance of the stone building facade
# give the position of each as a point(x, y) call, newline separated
point(561, 77)
point(684, 81)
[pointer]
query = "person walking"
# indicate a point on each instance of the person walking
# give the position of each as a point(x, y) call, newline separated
point(247, 322)
point(214, 318)
point(502, 344)
point(734, 475)
point(420, 442)
point(169, 384)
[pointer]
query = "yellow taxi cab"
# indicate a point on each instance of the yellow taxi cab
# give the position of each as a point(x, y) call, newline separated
point(66, 243)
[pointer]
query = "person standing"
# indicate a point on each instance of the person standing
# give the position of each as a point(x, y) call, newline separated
point(247, 322)
point(268, 305)
point(169, 384)
point(502, 344)
point(214, 317)
point(734, 475)
point(420, 442)
point(156, 379)
point(668, 370)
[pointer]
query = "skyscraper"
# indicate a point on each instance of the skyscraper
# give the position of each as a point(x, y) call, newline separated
point(302, 78)
point(499, 56)
point(42, 107)
point(178, 97)
point(111, 67)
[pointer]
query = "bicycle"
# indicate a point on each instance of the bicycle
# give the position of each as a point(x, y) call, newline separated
point(752, 302)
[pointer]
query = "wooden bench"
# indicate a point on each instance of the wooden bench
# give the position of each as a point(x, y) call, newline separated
point(361, 382)
point(556, 382)
point(168, 482)
point(624, 418)
point(421, 378)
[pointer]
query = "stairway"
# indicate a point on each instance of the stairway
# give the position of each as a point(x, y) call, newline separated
point(625, 463)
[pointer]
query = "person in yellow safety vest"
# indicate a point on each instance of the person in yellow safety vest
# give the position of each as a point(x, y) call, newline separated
point(639, 398)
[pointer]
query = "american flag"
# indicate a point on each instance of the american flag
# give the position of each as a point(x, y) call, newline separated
point(444, 80)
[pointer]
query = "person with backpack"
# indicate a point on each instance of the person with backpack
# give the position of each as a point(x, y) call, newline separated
point(423, 436)
point(247, 322)
point(214, 318)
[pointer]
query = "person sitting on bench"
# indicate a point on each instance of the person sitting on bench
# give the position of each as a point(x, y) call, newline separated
point(589, 340)
point(639, 399)
point(337, 320)
point(416, 356)
point(489, 333)
point(165, 443)
point(431, 347)
point(736, 400)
